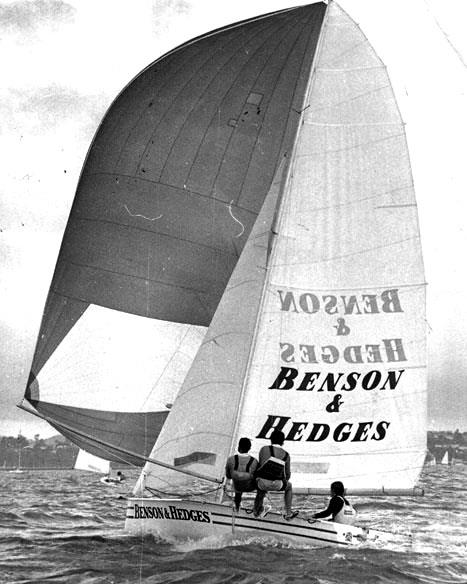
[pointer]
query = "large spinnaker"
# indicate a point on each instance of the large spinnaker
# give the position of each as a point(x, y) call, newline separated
point(335, 353)
point(171, 187)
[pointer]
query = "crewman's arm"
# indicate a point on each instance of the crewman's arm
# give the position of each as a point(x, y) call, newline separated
point(263, 455)
point(253, 466)
point(335, 505)
point(287, 467)
point(228, 469)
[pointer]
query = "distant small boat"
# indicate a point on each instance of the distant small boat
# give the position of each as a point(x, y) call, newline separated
point(448, 457)
point(430, 460)
point(87, 461)
point(18, 469)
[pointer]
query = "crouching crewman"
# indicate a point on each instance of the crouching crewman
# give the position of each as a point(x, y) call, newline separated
point(241, 468)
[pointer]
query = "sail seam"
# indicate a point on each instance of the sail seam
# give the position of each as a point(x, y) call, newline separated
point(352, 254)
point(353, 124)
point(324, 152)
point(350, 69)
point(157, 234)
point(369, 198)
point(100, 269)
point(202, 69)
point(270, 31)
point(365, 287)
point(253, 84)
point(154, 386)
point(354, 98)
point(190, 191)
point(278, 78)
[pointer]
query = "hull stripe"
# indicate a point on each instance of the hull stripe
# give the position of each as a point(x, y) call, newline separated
point(267, 529)
point(214, 514)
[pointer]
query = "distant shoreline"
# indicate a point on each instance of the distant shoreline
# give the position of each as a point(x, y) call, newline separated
point(58, 453)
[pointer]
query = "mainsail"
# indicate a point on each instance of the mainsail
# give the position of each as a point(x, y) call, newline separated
point(321, 329)
point(170, 189)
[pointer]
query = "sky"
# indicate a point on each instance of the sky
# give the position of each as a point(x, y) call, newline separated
point(62, 65)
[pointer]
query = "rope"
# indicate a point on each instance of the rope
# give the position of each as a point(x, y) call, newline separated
point(159, 493)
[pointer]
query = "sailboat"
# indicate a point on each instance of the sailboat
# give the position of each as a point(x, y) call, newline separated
point(89, 462)
point(18, 469)
point(320, 332)
point(447, 457)
point(243, 255)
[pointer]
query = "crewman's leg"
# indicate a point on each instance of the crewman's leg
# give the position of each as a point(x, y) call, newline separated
point(258, 504)
point(288, 498)
point(238, 499)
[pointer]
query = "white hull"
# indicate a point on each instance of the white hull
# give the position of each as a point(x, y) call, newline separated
point(178, 519)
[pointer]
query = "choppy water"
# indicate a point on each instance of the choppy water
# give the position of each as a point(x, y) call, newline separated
point(66, 527)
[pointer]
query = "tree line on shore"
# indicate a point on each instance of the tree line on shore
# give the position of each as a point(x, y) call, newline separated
point(58, 452)
point(18, 452)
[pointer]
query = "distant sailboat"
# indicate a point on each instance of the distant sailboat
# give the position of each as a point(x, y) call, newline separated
point(430, 460)
point(18, 468)
point(447, 457)
point(87, 461)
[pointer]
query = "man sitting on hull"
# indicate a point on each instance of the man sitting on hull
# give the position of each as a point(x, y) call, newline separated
point(273, 474)
point(241, 469)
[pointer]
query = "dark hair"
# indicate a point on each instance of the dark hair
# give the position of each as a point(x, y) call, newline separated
point(277, 437)
point(244, 445)
point(338, 488)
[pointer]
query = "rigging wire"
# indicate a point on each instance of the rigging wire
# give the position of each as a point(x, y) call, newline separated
point(446, 36)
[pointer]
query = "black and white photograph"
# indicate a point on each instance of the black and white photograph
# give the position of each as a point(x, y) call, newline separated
point(233, 292)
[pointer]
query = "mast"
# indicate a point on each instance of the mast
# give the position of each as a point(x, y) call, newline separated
point(275, 226)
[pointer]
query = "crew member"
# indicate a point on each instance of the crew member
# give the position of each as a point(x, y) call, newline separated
point(241, 469)
point(339, 508)
point(273, 474)
point(120, 477)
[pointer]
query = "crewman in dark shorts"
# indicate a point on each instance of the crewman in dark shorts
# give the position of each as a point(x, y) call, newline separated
point(273, 474)
point(240, 468)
